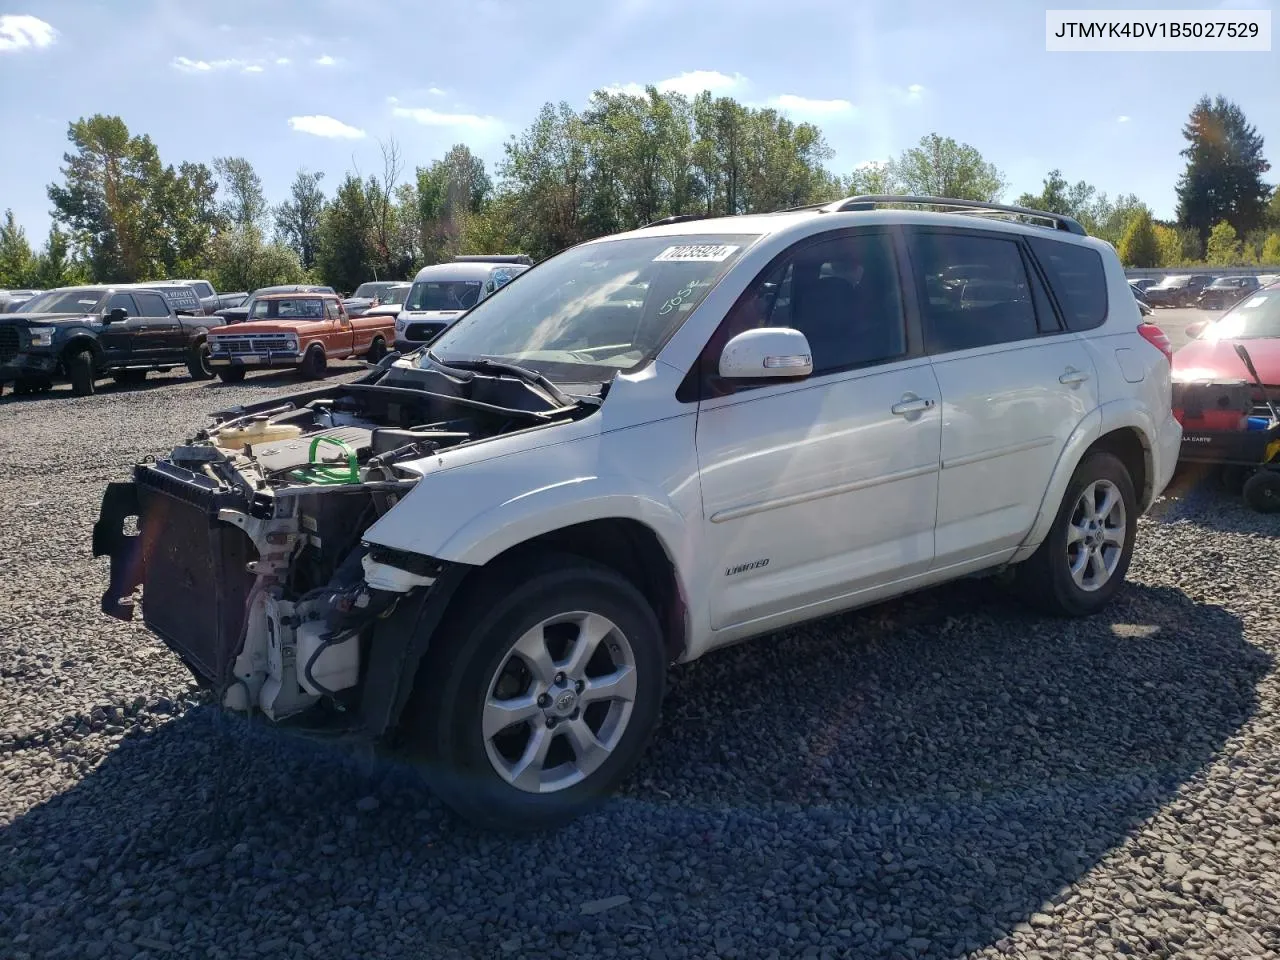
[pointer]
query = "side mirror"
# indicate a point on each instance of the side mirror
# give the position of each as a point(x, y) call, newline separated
point(116, 315)
point(769, 353)
point(1193, 330)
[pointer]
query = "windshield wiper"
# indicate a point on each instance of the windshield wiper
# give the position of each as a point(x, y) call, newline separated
point(501, 366)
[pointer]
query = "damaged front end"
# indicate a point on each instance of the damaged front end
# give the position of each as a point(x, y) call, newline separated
point(247, 541)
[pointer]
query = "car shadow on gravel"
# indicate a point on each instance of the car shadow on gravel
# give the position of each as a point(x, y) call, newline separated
point(1203, 496)
point(62, 391)
point(912, 780)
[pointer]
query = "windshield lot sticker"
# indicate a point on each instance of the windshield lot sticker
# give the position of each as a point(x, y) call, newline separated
point(697, 253)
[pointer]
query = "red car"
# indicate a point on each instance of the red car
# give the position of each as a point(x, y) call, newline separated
point(1255, 323)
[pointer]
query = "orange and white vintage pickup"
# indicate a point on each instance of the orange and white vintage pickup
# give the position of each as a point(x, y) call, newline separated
point(297, 330)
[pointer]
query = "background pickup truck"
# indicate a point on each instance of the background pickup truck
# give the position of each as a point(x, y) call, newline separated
point(86, 333)
point(302, 331)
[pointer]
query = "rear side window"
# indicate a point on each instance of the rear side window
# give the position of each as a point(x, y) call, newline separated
point(123, 300)
point(151, 305)
point(974, 291)
point(1077, 279)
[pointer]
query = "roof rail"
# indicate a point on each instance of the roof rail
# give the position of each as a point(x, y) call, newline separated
point(974, 207)
point(522, 258)
point(678, 218)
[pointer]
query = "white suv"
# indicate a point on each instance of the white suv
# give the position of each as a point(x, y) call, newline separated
point(656, 444)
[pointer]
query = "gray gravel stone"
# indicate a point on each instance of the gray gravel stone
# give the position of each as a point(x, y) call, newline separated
point(938, 777)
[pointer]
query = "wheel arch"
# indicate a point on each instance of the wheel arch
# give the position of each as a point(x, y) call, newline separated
point(1123, 429)
point(79, 342)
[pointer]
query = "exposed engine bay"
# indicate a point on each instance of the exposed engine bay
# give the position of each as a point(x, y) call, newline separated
point(248, 544)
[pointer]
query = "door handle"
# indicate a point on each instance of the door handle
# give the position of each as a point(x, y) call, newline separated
point(1073, 377)
point(909, 405)
point(142, 326)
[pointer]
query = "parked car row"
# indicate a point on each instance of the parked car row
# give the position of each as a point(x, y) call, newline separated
point(1198, 290)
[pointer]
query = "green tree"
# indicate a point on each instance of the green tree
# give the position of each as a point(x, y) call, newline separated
point(112, 198)
point(189, 218)
point(54, 266)
point(1139, 247)
point(1223, 248)
point(241, 259)
point(243, 202)
point(298, 218)
point(1085, 203)
point(17, 262)
point(871, 179)
point(940, 167)
point(1271, 251)
point(345, 255)
point(1223, 179)
point(547, 168)
point(1169, 245)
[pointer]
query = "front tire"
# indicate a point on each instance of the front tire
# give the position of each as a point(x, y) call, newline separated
point(231, 374)
point(198, 365)
point(538, 693)
point(377, 350)
point(1083, 561)
point(81, 373)
point(314, 364)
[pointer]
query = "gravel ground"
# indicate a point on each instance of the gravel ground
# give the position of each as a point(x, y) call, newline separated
point(939, 777)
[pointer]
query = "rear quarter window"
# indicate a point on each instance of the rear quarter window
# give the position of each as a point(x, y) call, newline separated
point(1077, 278)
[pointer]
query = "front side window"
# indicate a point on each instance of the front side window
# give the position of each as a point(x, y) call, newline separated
point(841, 293)
point(565, 317)
point(427, 295)
point(331, 309)
point(123, 301)
point(987, 302)
point(204, 289)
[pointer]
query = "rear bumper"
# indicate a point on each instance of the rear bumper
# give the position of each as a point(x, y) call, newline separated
point(1168, 443)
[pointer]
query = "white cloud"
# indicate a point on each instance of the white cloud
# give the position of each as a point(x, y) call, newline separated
point(322, 126)
point(282, 61)
point(434, 118)
point(1122, 119)
point(694, 82)
point(20, 31)
point(690, 84)
point(253, 68)
point(187, 65)
point(435, 91)
point(325, 61)
point(806, 106)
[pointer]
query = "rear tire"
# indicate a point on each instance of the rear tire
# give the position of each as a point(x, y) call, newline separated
point(500, 685)
point(1082, 562)
point(1262, 491)
point(231, 374)
point(81, 373)
point(377, 350)
point(315, 364)
point(198, 365)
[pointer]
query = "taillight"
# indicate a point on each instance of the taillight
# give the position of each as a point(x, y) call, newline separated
point(1157, 338)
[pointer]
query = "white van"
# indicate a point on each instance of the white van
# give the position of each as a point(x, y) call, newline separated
point(443, 292)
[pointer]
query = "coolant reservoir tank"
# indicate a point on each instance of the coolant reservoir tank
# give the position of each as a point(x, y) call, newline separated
point(336, 668)
point(237, 438)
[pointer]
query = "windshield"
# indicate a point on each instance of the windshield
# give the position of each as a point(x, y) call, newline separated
point(396, 294)
point(443, 295)
point(371, 290)
point(63, 301)
point(289, 308)
point(597, 308)
point(1257, 317)
point(1169, 282)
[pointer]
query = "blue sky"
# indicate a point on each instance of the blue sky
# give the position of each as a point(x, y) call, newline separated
point(316, 83)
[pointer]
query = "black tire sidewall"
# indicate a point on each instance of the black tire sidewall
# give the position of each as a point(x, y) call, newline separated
point(231, 375)
point(1262, 491)
point(1071, 598)
point(198, 365)
point(476, 642)
point(314, 363)
point(81, 373)
point(377, 350)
